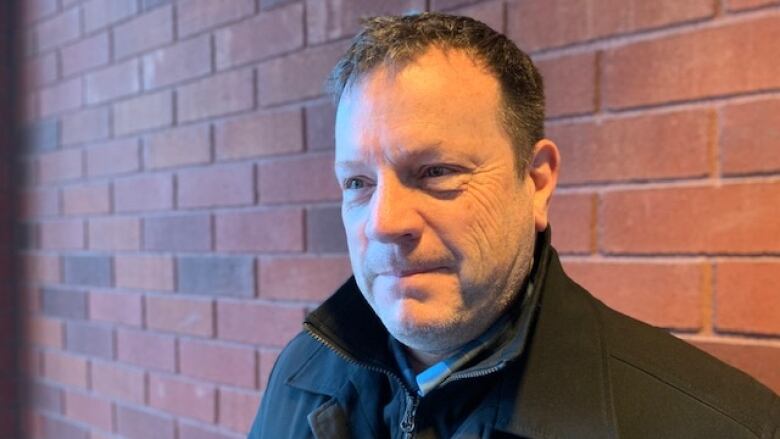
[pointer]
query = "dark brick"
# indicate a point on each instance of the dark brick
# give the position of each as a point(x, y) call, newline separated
point(325, 231)
point(87, 270)
point(43, 135)
point(67, 304)
point(143, 424)
point(151, 4)
point(90, 339)
point(178, 233)
point(60, 429)
point(217, 275)
point(46, 397)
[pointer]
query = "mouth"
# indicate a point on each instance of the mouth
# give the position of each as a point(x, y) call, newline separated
point(407, 272)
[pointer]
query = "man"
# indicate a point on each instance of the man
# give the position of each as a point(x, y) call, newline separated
point(459, 321)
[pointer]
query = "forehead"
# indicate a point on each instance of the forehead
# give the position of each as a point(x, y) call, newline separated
point(439, 98)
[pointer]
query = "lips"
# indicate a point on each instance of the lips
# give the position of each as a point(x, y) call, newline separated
point(406, 271)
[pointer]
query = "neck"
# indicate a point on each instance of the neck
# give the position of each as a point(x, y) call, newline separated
point(421, 360)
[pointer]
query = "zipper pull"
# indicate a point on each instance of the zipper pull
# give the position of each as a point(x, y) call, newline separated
point(410, 411)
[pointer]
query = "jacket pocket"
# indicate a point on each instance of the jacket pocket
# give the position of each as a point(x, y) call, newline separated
point(329, 421)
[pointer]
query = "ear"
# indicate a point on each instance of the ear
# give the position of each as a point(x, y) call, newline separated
point(543, 171)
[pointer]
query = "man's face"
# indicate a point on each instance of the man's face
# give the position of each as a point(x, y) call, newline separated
point(440, 227)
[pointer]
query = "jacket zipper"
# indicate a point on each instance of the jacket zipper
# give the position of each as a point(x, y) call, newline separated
point(410, 411)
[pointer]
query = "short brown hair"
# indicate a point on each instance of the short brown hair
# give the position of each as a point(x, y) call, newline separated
point(397, 40)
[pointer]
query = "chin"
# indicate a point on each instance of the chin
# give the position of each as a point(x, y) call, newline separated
point(420, 326)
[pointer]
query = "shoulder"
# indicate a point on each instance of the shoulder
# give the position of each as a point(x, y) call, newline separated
point(292, 391)
point(652, 370)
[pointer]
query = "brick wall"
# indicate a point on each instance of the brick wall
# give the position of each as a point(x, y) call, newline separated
point(182, 217)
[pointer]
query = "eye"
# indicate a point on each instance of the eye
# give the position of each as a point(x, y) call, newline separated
point(436, 171)
point(354, 183)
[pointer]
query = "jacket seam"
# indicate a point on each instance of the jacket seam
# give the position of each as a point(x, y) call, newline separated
point(707, 403)
point(608, 394)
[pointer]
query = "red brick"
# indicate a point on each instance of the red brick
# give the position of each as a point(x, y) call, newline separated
point(270, 33)
point(572, 218)
point(325, 230)
point(732, 218)
point(61, 428)
point(86, 54)
point(85, 126)
point(181, 315)
point(46, 332)
point(298, 179)
point(100, 13)
point(66, 369)
point(40, 70)
point(749, 137)
point(36, 9)
point(217, 95)
point(41, 267)
point(184, 60)
point(114, 233)
point(237, 409)
point(111, 158)
point(218, 362)
point(328, 20)
point(229, 185)
point(143, 112)
point(758, 360)
point(267, 360)
point(197, 15)
point(86, 199)
point(320, 123)
point(62, 235)
point(116, 81)
point(115, 307)
point(183, 397)
point(145, 272)
point(136, 423)
point(148, 31)
point(267, 325)
point(746, 296)
point(37, 203)
point(569, 84)
point(118, 382)
point(297, 76)
point(60, 166)
point(302, 277)
point(540, 24)
point(65, 95)
point(713, 60)
point(490, 12)
point(88, 409)
point(263, 231)
point(59, 29)
point(666, 294)
point(736, 5)
point(669, 145)
point(143, 193)
point(190, 145)
point(146, 349)
point(46, 397)
point(259, 135)
point(178, 233)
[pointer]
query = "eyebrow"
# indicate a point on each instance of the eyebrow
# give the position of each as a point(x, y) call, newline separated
point(424, 151)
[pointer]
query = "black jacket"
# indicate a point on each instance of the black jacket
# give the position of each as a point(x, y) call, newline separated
point(574, 369)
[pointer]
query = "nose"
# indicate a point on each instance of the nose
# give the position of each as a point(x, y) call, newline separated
point(393, 215)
